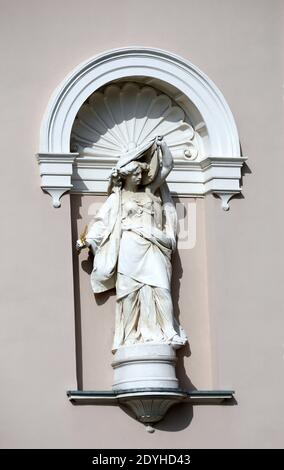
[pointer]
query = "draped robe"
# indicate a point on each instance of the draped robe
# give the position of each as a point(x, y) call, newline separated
point(133, 254)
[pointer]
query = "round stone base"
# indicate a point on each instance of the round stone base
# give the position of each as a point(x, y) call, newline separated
point(145, 365)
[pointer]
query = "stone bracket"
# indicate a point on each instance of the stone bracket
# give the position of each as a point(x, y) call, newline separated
point(150, 405)
point(56, 170)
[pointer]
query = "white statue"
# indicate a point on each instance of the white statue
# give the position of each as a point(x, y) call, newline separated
point(132, 238)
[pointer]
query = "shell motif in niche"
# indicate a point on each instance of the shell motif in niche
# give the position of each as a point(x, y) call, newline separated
point(123, 117)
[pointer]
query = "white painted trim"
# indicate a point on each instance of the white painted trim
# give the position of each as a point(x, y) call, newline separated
point(138, 61)
point(56, 171)
point(195, 178)
point(159, 65)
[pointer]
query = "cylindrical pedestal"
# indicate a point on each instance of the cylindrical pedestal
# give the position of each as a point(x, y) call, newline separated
point(145, 365)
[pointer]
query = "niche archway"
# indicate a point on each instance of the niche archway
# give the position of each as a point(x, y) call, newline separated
point(217, 169)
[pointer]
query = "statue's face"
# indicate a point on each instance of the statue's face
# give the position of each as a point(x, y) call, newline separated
point(135, 177)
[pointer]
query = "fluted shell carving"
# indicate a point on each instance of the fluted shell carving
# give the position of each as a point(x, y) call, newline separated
point(125, 116)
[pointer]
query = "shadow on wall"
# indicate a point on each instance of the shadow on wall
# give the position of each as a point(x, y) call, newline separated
point(177, 418)
point(75, 216)
point(185, 352)
point(184, 381)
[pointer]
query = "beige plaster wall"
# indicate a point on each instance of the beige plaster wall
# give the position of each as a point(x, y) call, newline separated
point(238, 43)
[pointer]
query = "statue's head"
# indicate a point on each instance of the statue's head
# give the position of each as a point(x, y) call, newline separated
point(135, 167)
point(131, 173)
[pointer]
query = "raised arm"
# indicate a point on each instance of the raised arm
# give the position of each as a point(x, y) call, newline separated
point(167, 165)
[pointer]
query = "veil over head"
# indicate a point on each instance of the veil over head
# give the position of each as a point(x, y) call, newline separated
point(148, 153)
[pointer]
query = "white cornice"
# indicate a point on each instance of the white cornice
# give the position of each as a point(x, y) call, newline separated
point(218, 175)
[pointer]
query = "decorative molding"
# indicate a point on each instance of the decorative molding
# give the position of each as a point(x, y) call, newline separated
point(225, 198)
point(56, 171)
point(127, 115)
point(211, 165)
point(149, 406)
point(138, 62)
point(218, 175)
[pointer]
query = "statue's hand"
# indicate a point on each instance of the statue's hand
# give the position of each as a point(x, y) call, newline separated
point(159, 140)
point(161, 143)
point(80, 245)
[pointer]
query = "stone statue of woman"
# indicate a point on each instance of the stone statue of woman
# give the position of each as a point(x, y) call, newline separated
point(132, 238)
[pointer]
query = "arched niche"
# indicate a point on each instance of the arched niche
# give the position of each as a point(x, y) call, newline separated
point(217, 167)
